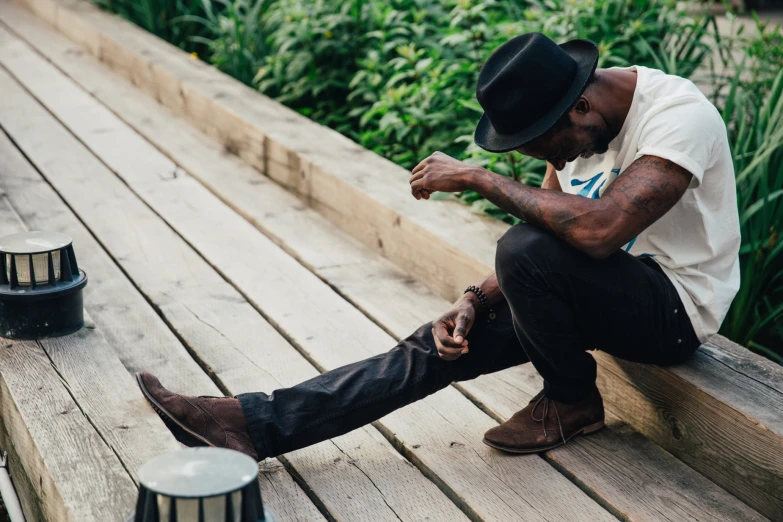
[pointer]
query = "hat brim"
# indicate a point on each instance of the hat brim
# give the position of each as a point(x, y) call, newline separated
point(586, 55)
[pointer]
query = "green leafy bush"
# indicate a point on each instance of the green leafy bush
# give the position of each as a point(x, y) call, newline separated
point(398, 76)
point(753, 112)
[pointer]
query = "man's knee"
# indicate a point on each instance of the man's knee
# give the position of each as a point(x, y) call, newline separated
point(523, 249)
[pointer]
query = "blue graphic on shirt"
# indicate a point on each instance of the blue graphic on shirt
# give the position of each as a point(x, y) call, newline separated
point(588, 186)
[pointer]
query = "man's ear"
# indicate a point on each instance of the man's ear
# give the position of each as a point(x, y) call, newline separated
point(582, 106)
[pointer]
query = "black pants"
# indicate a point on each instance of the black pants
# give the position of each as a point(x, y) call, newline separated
point(559, 304)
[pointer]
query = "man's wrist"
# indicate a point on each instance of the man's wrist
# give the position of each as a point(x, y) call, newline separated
point(477, 179)
point(472, 299)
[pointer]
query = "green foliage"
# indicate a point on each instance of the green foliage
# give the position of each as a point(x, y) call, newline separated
point(233, 35)
point(160, 17)
point(753, 112)
point(399, 76)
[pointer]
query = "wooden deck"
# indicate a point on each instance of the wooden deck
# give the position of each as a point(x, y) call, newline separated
point(221, 281)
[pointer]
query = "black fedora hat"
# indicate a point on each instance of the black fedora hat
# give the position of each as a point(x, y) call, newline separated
point(526, 85)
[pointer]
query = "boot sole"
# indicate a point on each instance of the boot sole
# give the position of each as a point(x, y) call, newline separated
point(181, 433)
point(587, 430)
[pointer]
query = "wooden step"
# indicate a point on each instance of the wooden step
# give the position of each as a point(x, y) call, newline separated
point(283, 217)
point(60, 387)
point(197, 309)
point(446, 246)
point(143, 339)
point(298, 303)
point(62, 466)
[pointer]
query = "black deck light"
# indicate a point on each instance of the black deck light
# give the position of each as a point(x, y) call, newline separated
point(200, 484)
point(40, 286)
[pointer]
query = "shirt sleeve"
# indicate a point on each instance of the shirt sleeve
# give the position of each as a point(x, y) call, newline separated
point(684, 132)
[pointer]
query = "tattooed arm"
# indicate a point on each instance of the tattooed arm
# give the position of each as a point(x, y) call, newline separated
point(644, 192)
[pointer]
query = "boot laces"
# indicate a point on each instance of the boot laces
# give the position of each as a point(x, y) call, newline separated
point(546, 400)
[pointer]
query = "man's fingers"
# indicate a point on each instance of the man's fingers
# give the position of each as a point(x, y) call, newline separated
point(449, 353)
point(420, 166)
point(444, 352)
point(418, 190)
point(462, 327)
point(441, 333)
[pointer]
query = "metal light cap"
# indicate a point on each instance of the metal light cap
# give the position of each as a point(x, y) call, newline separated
point(40, 286)
point(215, 484)
point(34, 242)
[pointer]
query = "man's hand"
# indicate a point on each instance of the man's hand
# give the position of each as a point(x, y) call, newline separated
point(441, 173)
point(450, 329)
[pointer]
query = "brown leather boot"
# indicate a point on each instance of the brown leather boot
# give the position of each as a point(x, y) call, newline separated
point(545, 424)
point(199, 421)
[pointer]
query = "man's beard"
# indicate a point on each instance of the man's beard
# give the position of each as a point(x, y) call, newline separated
point(600, 137)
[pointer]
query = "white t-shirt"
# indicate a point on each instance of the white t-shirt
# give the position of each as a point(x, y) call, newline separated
point(697, 241)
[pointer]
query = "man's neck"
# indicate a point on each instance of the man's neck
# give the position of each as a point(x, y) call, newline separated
point(617, 87)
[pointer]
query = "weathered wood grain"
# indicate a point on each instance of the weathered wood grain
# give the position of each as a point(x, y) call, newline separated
point(394, 300)
point(147, 343)
point(72, 471)
point(739, 452)
point(32, 507)
point(100, 385)
point(214, 319)
point(299, 304)
point(654, 486)
point(109, 396)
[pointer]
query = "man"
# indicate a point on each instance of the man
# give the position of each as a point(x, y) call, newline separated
point(631, 247)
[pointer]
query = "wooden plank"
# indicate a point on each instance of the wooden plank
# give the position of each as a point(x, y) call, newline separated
point(75, 474)
point(109, 396)
point(202, 95)
point(200, 327)
point(27, 493)
point(745, 362)
point(28, 498)
point(199, 305)
point(61, 466)
point(447, 445)
point(102, 388)
point(687, 416)
point(381, 290)
point(648, 482)
point(378, 288)
point(149, 344)
point(320, 164)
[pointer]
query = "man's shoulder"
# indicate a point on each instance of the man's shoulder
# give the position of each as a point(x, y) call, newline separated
point(661, 90)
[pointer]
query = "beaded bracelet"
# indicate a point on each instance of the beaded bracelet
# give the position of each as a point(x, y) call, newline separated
point(482, 299)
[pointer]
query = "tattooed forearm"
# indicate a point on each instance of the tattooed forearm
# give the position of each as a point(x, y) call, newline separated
point(644, 192)
point(648, 188)
point(542, 208)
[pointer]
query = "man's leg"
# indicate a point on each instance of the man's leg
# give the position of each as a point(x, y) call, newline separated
point(563, 303)
point(338, 401)
point(356, 394)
